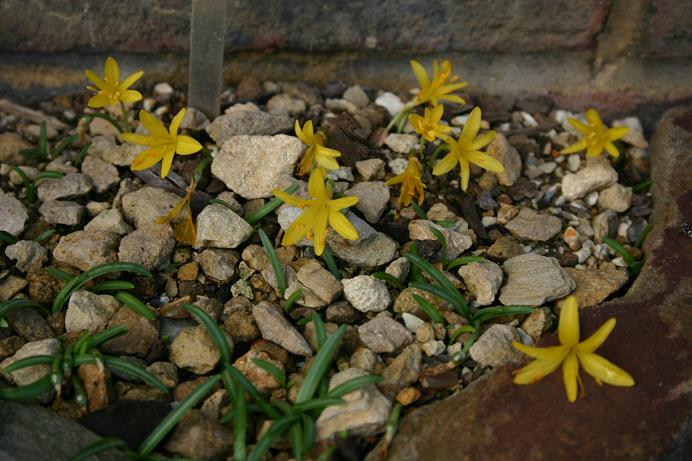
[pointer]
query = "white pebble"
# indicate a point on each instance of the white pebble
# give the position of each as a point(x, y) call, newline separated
point(411, 321)
point(488, 221)
point(592, 198)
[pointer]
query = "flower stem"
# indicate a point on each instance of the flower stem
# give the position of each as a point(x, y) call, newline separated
point(125, 121)
point(396, 122)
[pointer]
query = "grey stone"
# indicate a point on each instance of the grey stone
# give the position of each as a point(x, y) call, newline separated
point(365, 412)
point(31, 374)
point(384, 334)
point(103, 174)
point(399, 268)
point(63, 212)
point(28, 323)
point(501, 150)
point(71, 185)
point(247, 122)
point(13, 215)
point(482, 279)
point(355, 95)
point(198, 437)
point(403, 371)
point(144, 206)
point(148, 246)
point(109, 221)
point(319, 286)
point(194, 350)
point(494, 346)
point(87, 311)
point(401, 143)
point(218, 264)
point(373, 198)
point(87, 249)
point(391, 102)
point(594, 177)
point(617, 198)
point(366, 293)
point(141, 334)
point(283, 104)
point(274, 327)
point(29, 255)
point(217, 226)
point(457, 243)
point(533, 280)
point(372, 168)
point(116, 154)
point(531, 225)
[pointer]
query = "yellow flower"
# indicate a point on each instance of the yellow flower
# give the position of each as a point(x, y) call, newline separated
point(164, 143)
point(109, 89)
point(411, 184)
point(315, 152)
point(466, 150)
point(184, 230)
point(596, 136)
point(441, 85)
point(570, 354)
point(429, 125)
point(319, 211)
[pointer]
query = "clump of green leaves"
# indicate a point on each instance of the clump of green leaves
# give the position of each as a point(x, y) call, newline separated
point(634, 265)
point(42, 151)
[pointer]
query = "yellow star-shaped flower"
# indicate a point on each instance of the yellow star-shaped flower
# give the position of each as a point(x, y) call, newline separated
point(441, 85)
point(109, 89)
point(596, 136)
point(411, 183)
point(429, 125)
point(570, 353)
point(316, 152)
point(164, 144)
point(466, 150)
point(320, 211)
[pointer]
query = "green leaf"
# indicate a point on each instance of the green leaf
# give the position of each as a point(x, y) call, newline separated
point(239, 416)
point(112, 285)
point(92, 342)
point(64, 144)
point(295, 434)
point(223, 203)
point(7, 238)
point(174, 417)
point(124, 366)
point(437, 291)
point(442, 281)
point(320, 365)
point(430, 310)
point(214, 331)
point(388, 278)
point(419, 210)
point(642, 236)
point(27, 392)
point(270, 206)
point(48, 174)
point(108, 443)
point(59, 273)
point(461, 260)
point(77, 282)
point(488, 313)
point(43, 142)
point(443, 243)
point(320, 330)
point(642, 186)
point(267, 409)
point(16, 303)
point(28, 185)
point(136, 305)
point(308, 432)
point(273, 370)
point(295, 296)
point(82, 153)
point(28, 362)
point(276, 264)
point(353, 385)
point(330, 262)
point(265, 442)
point(459, 331)
point(44, 235)
point(626, 255)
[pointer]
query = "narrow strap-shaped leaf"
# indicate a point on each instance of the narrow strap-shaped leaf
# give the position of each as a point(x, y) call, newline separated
point(430, 310)
point(331, 262)
point(109, 443)
point(273, 370)
point(17, 303)
point(461, 260)
point(28, 362)
point(278, 427)
point(124, 366)
point(320, 365)
point(274, 259)
point(214, 331)
point(136, 305)
point(270, 206)
point(27, 392)
point(353, 385)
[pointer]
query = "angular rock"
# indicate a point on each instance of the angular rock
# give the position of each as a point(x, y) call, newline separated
point(366, 293)
point(457, 243)
point(531, 225)
point(28, 323)
point(31, 374)
point(102, 174)
point(109, 221)
point(594, 177)
point(595, 285)
point(493, 347)
point(533, 280)
point(263, 381)
point(319, 286)
point(13, 215)
point(373, 198)
point(374, 251)
point(11, 286)
point(144, 206)
point(87, 311)
point(140, 337)
point(283, 104)
point(605, 224)
point(405, 302)
point(501, 150)
point(355, 95)
point(116, 154)
point(276, 328)
point(617, 198)
point(10, 145)
point(199, 437)
point(402, 143)
point(70, 186)
point(84, 249)
point(194, 350)
point(247, 122)
point(384, 334)
point(252, 166)
point(148, 246)
point(29, 255)
point(403, 371)
point(365, 412)
point(482, 279)
point(217, 226)
point(218, 264)
point(372, 168)
point(63, 212)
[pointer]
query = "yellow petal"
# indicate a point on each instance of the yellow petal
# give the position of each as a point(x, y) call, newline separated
point(327, 162)
point(542, 353)
point(154, 125)
point(316, 187)
point(465, 173)
point(594, 151)
point(570, 370)
point(395, 180)
point(299, 227)
point(536, 370)
point(594, 118)
point(175, 123)
point(436, 113)
point(139, 139)
point(342, 225)
point(611, 149)
point(483, 140)
point(453, 98)
point(290, 199)
point(98, 81)
point(579, 126)
point(319, 229)
point(147, 159)
point(485, 161)
point(327, 152)
point(111, 71)
point(445, 165)
point(343, 202)
point(186, 145)
point(167, 162)
point(595, 341)
point(576, 147)
point(603, 370)
point(617, 132)
point(473, 124)
point(98, 101)
point(420, 73)
point(130, 96)
point(451, 87)
point(184, 231)
point(568, 328)
point(416, 122)
point(130, 80)
point(308, 131)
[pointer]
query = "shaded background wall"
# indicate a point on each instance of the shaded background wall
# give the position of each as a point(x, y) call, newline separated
point(617, 55)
